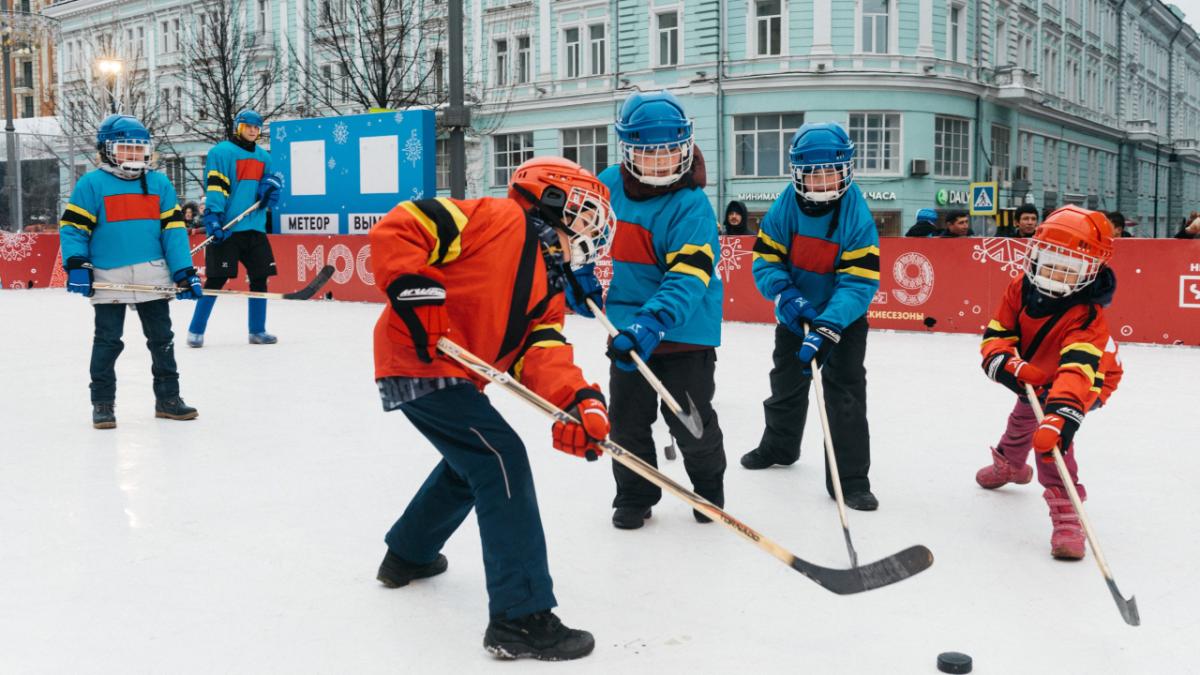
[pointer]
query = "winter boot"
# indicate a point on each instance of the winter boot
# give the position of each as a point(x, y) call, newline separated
point(630, 517)
point(756, 459)
point(263, 338)
point(103, 416)
point(174, 409)
point(862, 500)
point(395, 571)
point(1067, 540)
point(540, 635)
point(1002, 472)
point(195, 340)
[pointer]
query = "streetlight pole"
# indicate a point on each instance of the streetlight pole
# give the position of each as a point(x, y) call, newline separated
point(111, 68)
point(11, 186)
point(457, 117)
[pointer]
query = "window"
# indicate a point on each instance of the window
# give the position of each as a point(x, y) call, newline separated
point(439, 73)
point(327, 82)
point(955, 40)
point(587, 147)
point(875, 26)
point(26, 106)
point(26, 74)
point(263, 10)
point(571, 52)
point(1000, 135)
point(597, 49)
point(442, 164)
point(510, 151)
point(524, 60)
point(501, 75)
point(178, 104)
point(175, 170)
point(667, 33)
point(165, 104)
point(174, 34)
point(343, 83)
point(951, 147)
point(1000, 55)
point(876, 139)
point(768, 21)
point(761, 143)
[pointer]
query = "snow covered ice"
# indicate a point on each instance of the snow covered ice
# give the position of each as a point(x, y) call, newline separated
point(246, 541)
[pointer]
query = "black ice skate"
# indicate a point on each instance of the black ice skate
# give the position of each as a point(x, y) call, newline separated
point(103, 416)
point(756, 460)
point(862, 501)
point(630, 517)
point(395, 571)
point(540, 635)
point(174, 409)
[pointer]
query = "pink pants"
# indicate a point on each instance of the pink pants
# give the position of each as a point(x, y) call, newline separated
point(1017, 442)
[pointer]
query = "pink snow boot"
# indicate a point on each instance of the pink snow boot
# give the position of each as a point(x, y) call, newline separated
point(1067, 540)
point(1002, 472)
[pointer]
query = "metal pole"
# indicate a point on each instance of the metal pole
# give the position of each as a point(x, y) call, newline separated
point(10, 180)
point(457, 117)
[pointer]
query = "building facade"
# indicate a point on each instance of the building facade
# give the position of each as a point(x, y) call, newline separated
point(1066, 101)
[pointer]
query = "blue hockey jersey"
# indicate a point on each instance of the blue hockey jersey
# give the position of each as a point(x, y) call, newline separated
point(664, 255)
point(232, 175)
point(113, 223)
point(832, 259)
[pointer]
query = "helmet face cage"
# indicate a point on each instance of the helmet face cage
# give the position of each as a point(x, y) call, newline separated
point(589, 221)
point(802, 175)
point(1058, 271)
point(118, 150)
point(658, 164)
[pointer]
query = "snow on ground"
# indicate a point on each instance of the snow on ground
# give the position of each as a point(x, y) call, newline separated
point(246, 541)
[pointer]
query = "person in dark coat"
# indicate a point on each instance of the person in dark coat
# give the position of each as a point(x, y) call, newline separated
point(926, 225)
point(736, 221)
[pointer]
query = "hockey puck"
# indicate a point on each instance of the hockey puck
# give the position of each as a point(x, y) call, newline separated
point(954, 662)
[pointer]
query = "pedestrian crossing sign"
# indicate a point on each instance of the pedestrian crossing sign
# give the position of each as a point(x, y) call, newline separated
point(983, 199)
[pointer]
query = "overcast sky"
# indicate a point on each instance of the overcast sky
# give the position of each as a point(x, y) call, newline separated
point(1191, 8)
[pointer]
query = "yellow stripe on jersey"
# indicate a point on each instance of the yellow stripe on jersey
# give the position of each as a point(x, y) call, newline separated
point(861, 262)
point(693, 259)
point(217, 182)
point(767, 249)
point(1083, 356)
point(445, 222)
point(77, 217)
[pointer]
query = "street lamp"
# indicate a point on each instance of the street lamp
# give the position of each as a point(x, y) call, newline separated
point(111, 68)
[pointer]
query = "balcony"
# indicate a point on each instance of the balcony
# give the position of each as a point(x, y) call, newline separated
point(1017, 85)
point(1188, 147)
point(1142, 131)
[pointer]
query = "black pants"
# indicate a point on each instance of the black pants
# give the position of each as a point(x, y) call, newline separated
point(107, 346)
point(845, 380)
point(633, 409)
point(249, 247)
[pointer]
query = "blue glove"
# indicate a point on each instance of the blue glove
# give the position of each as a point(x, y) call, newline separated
point(642, 336)
point(816, 347)
point(79, 276)
point(212, 226)
point(582, 286)
point(188, 283)
point(793, 310)
point(270, 190)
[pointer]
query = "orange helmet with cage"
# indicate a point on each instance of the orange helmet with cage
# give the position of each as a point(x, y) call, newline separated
point(571, 199)
point(1068, 250)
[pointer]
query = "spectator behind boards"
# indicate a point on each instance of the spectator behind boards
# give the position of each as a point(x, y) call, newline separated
point(926, 225)
point(735, 219)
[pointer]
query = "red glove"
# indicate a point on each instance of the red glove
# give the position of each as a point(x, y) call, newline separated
point(1013, 372)
point(579, 438)
point(1058, 428)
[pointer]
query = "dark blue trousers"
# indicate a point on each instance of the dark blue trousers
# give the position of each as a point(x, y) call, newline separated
point(107, 346)
point(484, 466)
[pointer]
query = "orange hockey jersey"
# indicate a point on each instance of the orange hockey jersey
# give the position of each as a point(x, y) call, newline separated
point(1072, 346)
point(497, 296)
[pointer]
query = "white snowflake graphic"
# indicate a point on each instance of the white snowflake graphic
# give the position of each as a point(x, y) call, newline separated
point(731, 256)
point(332, 164)
point(417, 193)
point(341, 133)
point(15, 246)
point(281, 134)
point(399, 117)
point(413, 148)
point(1007, 251)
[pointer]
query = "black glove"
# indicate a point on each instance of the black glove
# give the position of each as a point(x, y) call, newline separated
point(420, 301)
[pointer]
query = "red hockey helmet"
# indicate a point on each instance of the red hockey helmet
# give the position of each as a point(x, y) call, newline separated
point(571, 199)
point(1068, 250)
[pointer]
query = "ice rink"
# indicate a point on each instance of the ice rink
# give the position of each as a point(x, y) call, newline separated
point(246, 541)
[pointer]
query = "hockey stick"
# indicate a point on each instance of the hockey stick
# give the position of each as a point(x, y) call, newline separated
point(841, 581)
point(1128, 608)
point(831, 460)
point(305, 293)
point(202, 245)
point(691, 421)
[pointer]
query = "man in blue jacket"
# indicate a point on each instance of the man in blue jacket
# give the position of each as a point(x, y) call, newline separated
point(122, 225)
point(238, 174)
point(817, 258)
point(665, 298)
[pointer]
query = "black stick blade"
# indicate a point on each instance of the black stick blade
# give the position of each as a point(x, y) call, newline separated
point(313, 286)
point(878, 574)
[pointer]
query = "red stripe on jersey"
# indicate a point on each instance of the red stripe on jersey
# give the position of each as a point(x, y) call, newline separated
point(131, 207)
point(633, 243)
point(813, 254)
point(249, 169)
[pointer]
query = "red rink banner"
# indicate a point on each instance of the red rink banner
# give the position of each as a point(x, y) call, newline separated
point(937, 285)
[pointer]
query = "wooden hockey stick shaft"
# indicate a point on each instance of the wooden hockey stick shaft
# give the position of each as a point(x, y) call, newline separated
point(202, 245)
point(831, 461)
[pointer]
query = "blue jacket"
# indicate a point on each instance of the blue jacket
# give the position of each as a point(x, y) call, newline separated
point(112, 223)
point(232, 174)
point(835, 265)
point(664, 256)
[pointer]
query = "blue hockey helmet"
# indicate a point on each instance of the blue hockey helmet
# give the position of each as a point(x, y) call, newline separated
point(927, 215)
point(655, 137)
point(247, 117)
point(822, 162)
point(125, 144)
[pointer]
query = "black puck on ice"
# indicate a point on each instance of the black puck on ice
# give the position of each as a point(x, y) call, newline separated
point(954, 662)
